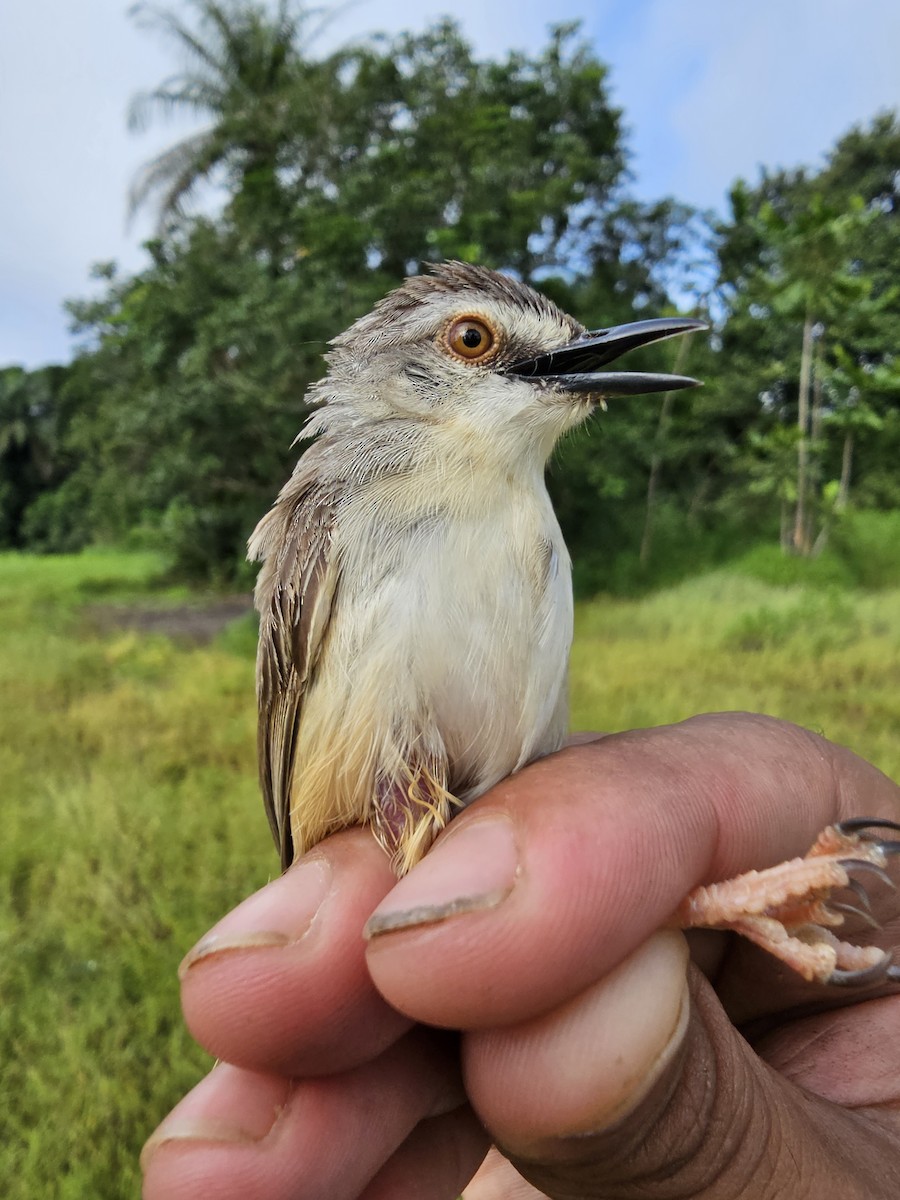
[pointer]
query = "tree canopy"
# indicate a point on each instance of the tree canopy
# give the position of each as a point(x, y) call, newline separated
point(340, 173)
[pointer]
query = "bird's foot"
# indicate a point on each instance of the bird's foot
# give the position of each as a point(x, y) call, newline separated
point(790, 910)
point(410, 812)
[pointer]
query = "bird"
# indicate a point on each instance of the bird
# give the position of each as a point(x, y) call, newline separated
point(415, 594)
point(416, 546)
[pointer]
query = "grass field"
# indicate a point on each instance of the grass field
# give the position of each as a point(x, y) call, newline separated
point(117, 747)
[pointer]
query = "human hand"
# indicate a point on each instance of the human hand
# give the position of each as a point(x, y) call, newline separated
point(595, 1058)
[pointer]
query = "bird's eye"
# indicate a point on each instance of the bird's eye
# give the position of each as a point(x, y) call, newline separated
point(470, 338)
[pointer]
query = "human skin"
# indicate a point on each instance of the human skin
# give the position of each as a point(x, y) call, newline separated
point(606, 1058)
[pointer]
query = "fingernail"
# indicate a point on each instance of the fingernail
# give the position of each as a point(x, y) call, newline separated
point(279, 914)
point(195, 1131)
point(470, 870)
point(214, 1111)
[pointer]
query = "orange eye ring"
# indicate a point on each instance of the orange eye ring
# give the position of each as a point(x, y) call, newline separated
point(471, 339)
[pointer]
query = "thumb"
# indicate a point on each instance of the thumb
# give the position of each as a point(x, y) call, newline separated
point(641, 1087)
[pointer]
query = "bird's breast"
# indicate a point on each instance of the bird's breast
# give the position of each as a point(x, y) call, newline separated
point(459, 620)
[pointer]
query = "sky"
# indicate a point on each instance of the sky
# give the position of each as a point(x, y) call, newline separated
point(711, 90)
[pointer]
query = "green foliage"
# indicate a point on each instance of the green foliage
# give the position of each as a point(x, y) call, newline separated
point(34, 456)
point(132, 820)
point(817, 622)
point(193, 394)
point(822, 250)
point(492, 162)
point(767, 563)
point(868, 543)
point(344, 172)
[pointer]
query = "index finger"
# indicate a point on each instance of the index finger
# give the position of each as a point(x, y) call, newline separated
point(560, 872)
point(280, 984)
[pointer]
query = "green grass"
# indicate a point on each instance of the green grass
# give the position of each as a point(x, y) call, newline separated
point(825, 658)
point(131, 820)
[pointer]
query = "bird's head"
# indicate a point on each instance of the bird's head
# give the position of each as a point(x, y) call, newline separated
point(467, 350)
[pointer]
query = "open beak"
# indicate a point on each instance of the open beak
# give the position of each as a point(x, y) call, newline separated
point(575, 367)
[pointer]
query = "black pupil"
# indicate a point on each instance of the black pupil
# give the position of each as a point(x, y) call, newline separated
point(472, 338)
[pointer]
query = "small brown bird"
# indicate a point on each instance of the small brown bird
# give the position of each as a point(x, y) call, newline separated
point(415, 597)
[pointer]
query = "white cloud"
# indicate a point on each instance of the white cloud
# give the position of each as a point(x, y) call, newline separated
point(68, 69)
point(67, 72)
point(711, 88)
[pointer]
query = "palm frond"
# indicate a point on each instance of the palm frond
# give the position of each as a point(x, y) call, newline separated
point(171, 25)
point(171, 97)
point(326, 18)
point(246, 63)
point(173, 173)
point(232, 28)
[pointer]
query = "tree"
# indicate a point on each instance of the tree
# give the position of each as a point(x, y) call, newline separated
point(851, 414)
point(506, 163)
point(34, 417)
point(245, 72)
point(193, 372)
point(806, 277)
point(770, 465)
point(805, 254)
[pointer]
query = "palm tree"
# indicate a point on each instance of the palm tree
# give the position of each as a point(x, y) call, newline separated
point(243, 70)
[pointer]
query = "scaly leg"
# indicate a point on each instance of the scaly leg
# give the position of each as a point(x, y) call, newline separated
point(788, 910)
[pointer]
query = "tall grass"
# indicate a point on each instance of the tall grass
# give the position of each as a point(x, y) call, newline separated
point(825, 658)
point(131, 820)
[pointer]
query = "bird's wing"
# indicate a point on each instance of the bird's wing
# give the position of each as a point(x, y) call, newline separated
point(294, 596)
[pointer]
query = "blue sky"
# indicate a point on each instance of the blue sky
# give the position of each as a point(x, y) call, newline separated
point(712, 89)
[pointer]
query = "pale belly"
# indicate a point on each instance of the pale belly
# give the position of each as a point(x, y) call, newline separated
point(454, 640)
point(493, 628)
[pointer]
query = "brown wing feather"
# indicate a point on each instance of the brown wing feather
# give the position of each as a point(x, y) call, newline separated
point(294, 596)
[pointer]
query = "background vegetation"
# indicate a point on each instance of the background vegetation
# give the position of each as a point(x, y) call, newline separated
point(340, 174)
point(740, 542)
point(135, 819)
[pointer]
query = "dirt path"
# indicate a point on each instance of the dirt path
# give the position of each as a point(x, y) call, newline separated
point(197, 623)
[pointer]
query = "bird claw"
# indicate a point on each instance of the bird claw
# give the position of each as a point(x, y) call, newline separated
point(860, 829)
point(863, 864)
point(859, 825)
point(851, 910)
point(788, 910)
point(853, 885)
point(879, 972)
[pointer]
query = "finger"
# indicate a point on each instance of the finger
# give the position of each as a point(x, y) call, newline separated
point(633, 1022)
point(280, 984)
point(585, 737)
point(553, 877)
point(435, 1162)
point(240, 1133)
point(497, 1179)
point(851, 1057)
point(633, 1089)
